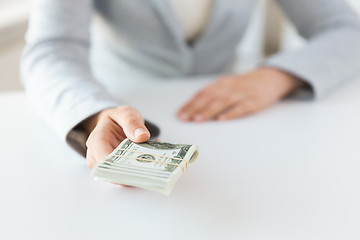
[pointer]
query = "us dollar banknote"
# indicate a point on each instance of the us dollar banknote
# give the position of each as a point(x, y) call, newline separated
point(151, 165)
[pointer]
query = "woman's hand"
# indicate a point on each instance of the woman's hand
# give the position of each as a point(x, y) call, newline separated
point(236, 96)
point(110, 127)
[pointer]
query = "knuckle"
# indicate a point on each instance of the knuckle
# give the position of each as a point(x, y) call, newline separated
point(125, 108)
point(106, 113)
point(130, 119)
point(215, 106)
point(228, 98)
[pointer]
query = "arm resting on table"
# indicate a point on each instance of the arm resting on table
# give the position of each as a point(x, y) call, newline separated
point(331, 56)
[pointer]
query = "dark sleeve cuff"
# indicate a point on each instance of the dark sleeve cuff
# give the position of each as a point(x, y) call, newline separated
point(77, 137)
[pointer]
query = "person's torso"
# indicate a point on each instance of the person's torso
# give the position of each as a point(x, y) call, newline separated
point(150, 35)
point(193, 16)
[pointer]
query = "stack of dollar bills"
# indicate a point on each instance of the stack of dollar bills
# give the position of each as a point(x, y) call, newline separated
point(151, 165)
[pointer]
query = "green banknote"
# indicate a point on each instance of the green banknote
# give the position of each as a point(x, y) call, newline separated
point(151, 165)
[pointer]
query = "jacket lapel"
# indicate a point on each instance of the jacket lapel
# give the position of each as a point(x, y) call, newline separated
point(167, 16)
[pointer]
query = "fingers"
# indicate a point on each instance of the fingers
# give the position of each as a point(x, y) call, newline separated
point(224, 108)
point(102, 141)
point(200, 101)
point(132, 123)
point(93, 156)
point(216, 107)
point(233, 97)
point(239, 110)
point(113, 126)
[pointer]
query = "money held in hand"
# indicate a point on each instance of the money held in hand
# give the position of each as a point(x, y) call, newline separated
point(151, 165)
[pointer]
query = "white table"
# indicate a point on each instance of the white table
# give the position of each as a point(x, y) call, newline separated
point(290, 172)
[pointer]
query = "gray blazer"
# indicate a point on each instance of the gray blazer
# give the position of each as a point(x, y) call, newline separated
point(146, 34)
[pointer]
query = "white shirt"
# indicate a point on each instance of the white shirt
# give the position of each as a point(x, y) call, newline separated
point(193, 15)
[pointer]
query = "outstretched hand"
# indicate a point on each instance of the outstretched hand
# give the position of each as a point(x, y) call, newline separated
point(236, 96)
point(109, 128)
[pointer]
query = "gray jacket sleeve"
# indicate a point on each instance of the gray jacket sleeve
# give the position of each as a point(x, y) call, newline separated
point(332, 54)
point(55, 65)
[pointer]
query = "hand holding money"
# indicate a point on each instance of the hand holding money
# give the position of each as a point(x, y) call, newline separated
point(109, 127)
point(151, 165)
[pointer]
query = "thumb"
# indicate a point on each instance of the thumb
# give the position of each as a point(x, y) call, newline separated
point(132, 123)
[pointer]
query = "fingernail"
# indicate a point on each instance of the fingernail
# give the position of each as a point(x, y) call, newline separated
point(140, 131)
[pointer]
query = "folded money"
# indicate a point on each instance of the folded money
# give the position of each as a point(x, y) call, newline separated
point(151, 165)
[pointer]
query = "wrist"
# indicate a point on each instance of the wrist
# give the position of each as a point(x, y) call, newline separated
point(89, 123)
point(289, 82)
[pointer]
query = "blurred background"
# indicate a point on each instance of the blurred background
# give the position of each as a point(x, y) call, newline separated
point(13, 22)
point(258, 42)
